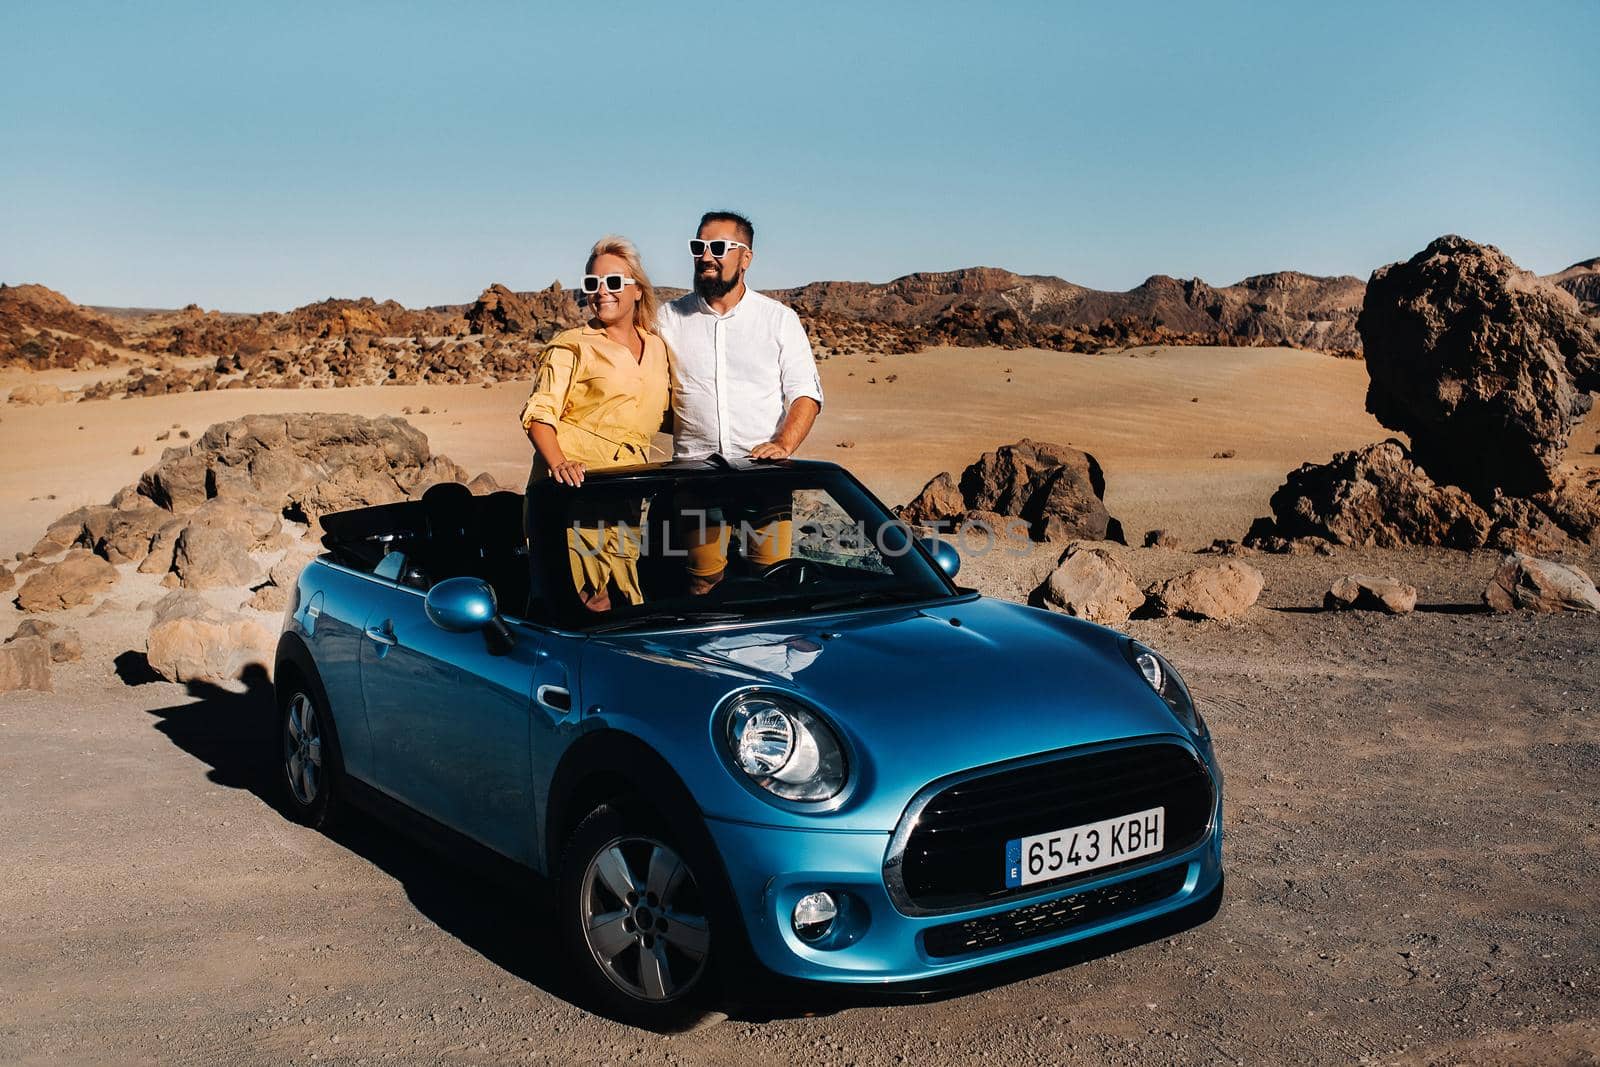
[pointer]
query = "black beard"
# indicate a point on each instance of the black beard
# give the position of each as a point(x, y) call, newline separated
point(715, 288)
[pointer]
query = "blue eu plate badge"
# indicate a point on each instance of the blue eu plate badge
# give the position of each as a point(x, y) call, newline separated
point(1013, 863)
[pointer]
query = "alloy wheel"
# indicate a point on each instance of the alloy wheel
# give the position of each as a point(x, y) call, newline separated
point(302, 749)
point(644, 919)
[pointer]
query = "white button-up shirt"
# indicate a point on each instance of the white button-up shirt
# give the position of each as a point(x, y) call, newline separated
point(735, 375)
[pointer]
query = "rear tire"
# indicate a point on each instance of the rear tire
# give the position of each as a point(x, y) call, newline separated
point(636, 914)
point(309, 765)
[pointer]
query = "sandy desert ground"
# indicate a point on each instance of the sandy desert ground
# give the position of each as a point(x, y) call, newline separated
point(1413, 807)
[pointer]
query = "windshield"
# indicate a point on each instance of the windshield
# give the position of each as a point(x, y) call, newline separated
point(721, 548)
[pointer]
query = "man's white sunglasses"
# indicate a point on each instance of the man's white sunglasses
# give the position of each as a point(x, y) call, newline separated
point(612, 282)
point(719, 247)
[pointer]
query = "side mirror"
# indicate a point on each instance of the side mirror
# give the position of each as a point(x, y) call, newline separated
point(948, 559)
point(462, 605)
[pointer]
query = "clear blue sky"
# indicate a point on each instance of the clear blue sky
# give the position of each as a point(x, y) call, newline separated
point(252, 156)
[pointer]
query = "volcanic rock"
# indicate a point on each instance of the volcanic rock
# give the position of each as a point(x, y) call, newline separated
point(1092, 584)
point(1376, 495)
point(1223, 591)
point(1057, 491)
point(192, 640)
point(1365, 592)
point(310, 464)
point(37, 395)
point(65, 645)
point(1540, 585)
point(212, 557)
point(1486, 367)
point(25, 664)
point(274, 594)
point(75, 580)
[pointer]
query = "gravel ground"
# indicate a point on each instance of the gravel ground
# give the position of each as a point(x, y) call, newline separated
point(1411, 848)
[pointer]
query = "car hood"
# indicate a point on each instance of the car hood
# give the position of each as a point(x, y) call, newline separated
point(921, 693)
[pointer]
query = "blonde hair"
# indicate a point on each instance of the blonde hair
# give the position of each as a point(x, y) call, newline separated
point(644, 312)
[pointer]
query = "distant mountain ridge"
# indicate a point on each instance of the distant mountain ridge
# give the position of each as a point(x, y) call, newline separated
point(344, 338)
point(1285, 307)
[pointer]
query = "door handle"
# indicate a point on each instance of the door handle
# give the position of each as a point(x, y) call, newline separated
point(383, 636)
point(554, 697)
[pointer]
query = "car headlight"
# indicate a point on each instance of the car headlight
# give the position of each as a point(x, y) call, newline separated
point(785, 748)
point(1167, 682)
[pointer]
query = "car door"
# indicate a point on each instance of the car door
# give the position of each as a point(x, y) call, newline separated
point(450, 721)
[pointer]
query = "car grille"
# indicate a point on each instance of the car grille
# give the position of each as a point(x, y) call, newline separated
point(1053, 916)
point(954, 855)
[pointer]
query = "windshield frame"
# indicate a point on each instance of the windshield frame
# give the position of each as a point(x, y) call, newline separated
point(561, 607)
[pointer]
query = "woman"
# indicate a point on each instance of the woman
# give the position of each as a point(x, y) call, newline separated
point(599, 393)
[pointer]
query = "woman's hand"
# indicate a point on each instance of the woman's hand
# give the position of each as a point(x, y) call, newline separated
point(568, 472)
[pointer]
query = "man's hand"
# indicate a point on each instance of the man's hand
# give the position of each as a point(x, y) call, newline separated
point(771, 450)
point(569, 472)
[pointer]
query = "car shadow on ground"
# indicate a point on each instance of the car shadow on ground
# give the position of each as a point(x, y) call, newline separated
point(500, 910)
point(480, 899)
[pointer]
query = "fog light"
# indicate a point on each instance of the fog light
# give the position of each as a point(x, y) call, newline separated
point(814, 915)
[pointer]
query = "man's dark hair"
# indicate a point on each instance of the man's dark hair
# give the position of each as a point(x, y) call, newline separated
point(747, 229)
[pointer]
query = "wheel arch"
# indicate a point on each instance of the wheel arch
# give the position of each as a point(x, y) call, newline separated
point(294, 661)
point(603, 765)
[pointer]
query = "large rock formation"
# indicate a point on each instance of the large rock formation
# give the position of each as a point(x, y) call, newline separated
point(543, 314)
point(1377, 495)
point(204, 510)
point(1487, 369)
point(1057, 491)
point(1485, 366)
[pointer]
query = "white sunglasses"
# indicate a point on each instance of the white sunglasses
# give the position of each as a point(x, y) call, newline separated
point(612, 282)
point(719, 247)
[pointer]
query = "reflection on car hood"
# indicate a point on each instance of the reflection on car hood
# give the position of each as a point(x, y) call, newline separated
point(925, 693)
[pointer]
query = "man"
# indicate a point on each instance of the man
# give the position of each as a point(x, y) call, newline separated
point(744, 383)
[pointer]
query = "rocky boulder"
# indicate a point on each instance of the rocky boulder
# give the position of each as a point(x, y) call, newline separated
point(36, 394)
point(1486, 367)
point(1375, 495)
point(7, 579)
point(1366, 592)
point(213, 557)
point(1092, 584)
point(1222, 591)
point(1055, 490)
point(279, 461)
point(1540, 585)
point(65, 645)
point(273, 595)
point(190, 639)
point(75, 580)
point(25, 664)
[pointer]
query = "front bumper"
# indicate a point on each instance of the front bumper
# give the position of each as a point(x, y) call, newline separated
point(770, 869)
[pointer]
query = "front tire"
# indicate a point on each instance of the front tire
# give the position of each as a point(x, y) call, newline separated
point(309, 765)
point(636, 916)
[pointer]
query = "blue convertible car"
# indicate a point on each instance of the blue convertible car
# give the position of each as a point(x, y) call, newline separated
point(785, 735)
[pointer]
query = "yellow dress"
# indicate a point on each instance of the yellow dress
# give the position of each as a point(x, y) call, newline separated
point(604, 406)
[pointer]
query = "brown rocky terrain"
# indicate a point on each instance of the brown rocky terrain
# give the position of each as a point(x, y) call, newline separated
point(41, 329)
point(988, 306)
point(339, 342)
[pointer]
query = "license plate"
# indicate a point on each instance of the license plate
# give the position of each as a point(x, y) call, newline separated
point(1077, 849)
